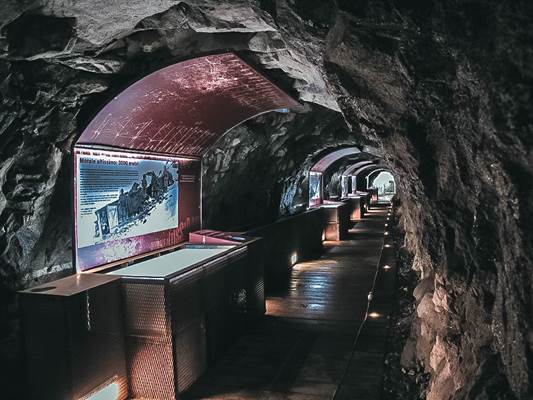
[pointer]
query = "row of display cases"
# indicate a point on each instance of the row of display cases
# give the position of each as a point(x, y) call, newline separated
point(147, 329)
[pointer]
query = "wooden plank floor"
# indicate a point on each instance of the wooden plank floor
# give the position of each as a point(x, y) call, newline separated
point(304, 347)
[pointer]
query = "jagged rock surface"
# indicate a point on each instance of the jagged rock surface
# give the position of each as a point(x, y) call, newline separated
point(440, 90)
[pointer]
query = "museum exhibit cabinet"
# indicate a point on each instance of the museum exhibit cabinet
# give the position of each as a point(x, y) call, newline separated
point(241, 285)
point(337, 220)
point(365, 201)
point(356, 207)
point(74, 338)
point(167, 300)
point(254, 272)
point(374, 198)
point(287, 241)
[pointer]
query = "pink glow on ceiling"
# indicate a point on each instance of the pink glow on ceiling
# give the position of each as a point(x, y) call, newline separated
point(184, 108)
point(325, 162)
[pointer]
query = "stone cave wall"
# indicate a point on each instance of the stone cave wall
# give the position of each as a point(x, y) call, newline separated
point(440, 90)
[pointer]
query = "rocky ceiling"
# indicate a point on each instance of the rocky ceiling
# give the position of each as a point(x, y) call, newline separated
point(440, 90)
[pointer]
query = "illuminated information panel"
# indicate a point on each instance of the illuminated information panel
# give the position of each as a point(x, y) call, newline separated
point(315, 189)
point(126, 204)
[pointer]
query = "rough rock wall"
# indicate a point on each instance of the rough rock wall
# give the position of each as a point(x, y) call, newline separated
point(440, 89)
point(445, 87)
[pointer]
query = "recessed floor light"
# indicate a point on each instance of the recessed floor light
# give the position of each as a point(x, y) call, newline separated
point(374, 315)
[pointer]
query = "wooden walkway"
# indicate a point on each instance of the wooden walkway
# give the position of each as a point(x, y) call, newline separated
point(313, 344)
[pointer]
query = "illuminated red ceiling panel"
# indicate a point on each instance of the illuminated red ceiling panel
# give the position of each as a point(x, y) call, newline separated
point(370, 167)
point(183, 109)
point(352, 168)
point(325, 162)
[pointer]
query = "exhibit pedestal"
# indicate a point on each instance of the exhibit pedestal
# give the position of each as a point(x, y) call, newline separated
point(169, 302)
point(356, 207)
point(374, 198)
point(253, 270)
point(74, 339)
point(337, 220)
point(365, 201)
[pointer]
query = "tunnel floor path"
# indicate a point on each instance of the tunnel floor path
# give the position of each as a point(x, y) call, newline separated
point(304, 347)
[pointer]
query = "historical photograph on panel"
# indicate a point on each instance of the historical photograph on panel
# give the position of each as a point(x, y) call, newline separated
point(121, 196)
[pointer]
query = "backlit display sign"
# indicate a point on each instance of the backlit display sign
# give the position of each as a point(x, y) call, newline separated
point(127, 204)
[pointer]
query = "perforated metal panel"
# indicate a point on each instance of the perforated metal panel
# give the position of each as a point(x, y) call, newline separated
point(149, 341)
point(235, 283)
point(255, 283)
point(214, 288)
point(145, 313)
point(185, 299)
point(191, 353)
point(217, 332)
point(151, 367)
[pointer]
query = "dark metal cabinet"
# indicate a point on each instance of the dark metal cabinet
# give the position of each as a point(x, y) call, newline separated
point(73, 337)
point(337, 221)
point(175, 324)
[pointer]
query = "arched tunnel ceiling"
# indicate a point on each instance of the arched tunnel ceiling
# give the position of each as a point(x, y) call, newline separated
point(377, 171)
point(371, 169)
point(353, 167)
point(184, 108)
point(325, 162)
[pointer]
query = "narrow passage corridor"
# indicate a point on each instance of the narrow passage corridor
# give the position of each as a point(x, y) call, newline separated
point(305, 347)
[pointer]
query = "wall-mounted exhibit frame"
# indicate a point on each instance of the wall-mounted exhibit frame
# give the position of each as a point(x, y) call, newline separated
point(315, 189)
point(127, 204)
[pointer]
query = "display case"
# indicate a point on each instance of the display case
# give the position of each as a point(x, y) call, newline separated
point(365, 201)
point(244, 284)
point(337, 220)
point(254, 270)
point(167, 300)
point(356, 207)
point(74, 339)
point(374, 198)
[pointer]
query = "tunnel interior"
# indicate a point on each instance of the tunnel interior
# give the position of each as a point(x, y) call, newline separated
point(424, 107)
